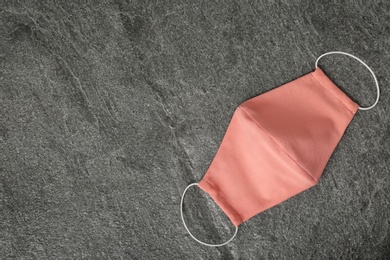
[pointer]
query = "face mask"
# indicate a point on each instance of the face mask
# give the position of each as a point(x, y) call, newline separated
point(277, 145)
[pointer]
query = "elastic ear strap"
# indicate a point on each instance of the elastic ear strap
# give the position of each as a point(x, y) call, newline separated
point(182, 218)
point(362, 62)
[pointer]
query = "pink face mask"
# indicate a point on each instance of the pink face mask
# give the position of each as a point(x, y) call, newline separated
point(277, 145)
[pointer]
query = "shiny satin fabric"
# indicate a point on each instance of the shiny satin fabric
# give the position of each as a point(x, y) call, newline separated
point(277, 145)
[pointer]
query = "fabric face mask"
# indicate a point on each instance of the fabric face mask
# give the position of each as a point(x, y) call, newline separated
point(277, 145)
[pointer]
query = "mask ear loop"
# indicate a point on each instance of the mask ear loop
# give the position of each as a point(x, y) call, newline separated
point(182, 218)
point(362, 62)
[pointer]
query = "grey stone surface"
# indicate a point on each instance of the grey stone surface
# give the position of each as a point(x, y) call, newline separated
point(110, 109)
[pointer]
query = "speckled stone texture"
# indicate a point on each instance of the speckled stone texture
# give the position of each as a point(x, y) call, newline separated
point(110, 109)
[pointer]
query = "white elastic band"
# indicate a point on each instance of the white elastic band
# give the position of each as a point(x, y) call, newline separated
point(182, 218)
point(362, 62)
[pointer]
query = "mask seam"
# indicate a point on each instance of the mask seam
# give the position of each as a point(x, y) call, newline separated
point(331, 93)
point(235, 212)
point(281, 147)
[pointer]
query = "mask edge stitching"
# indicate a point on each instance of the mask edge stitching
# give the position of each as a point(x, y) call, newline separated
point(281, 147)
point(331, 93)
point(216, 189)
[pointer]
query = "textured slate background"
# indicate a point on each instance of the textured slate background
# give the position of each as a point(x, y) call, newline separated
point(109, 109)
